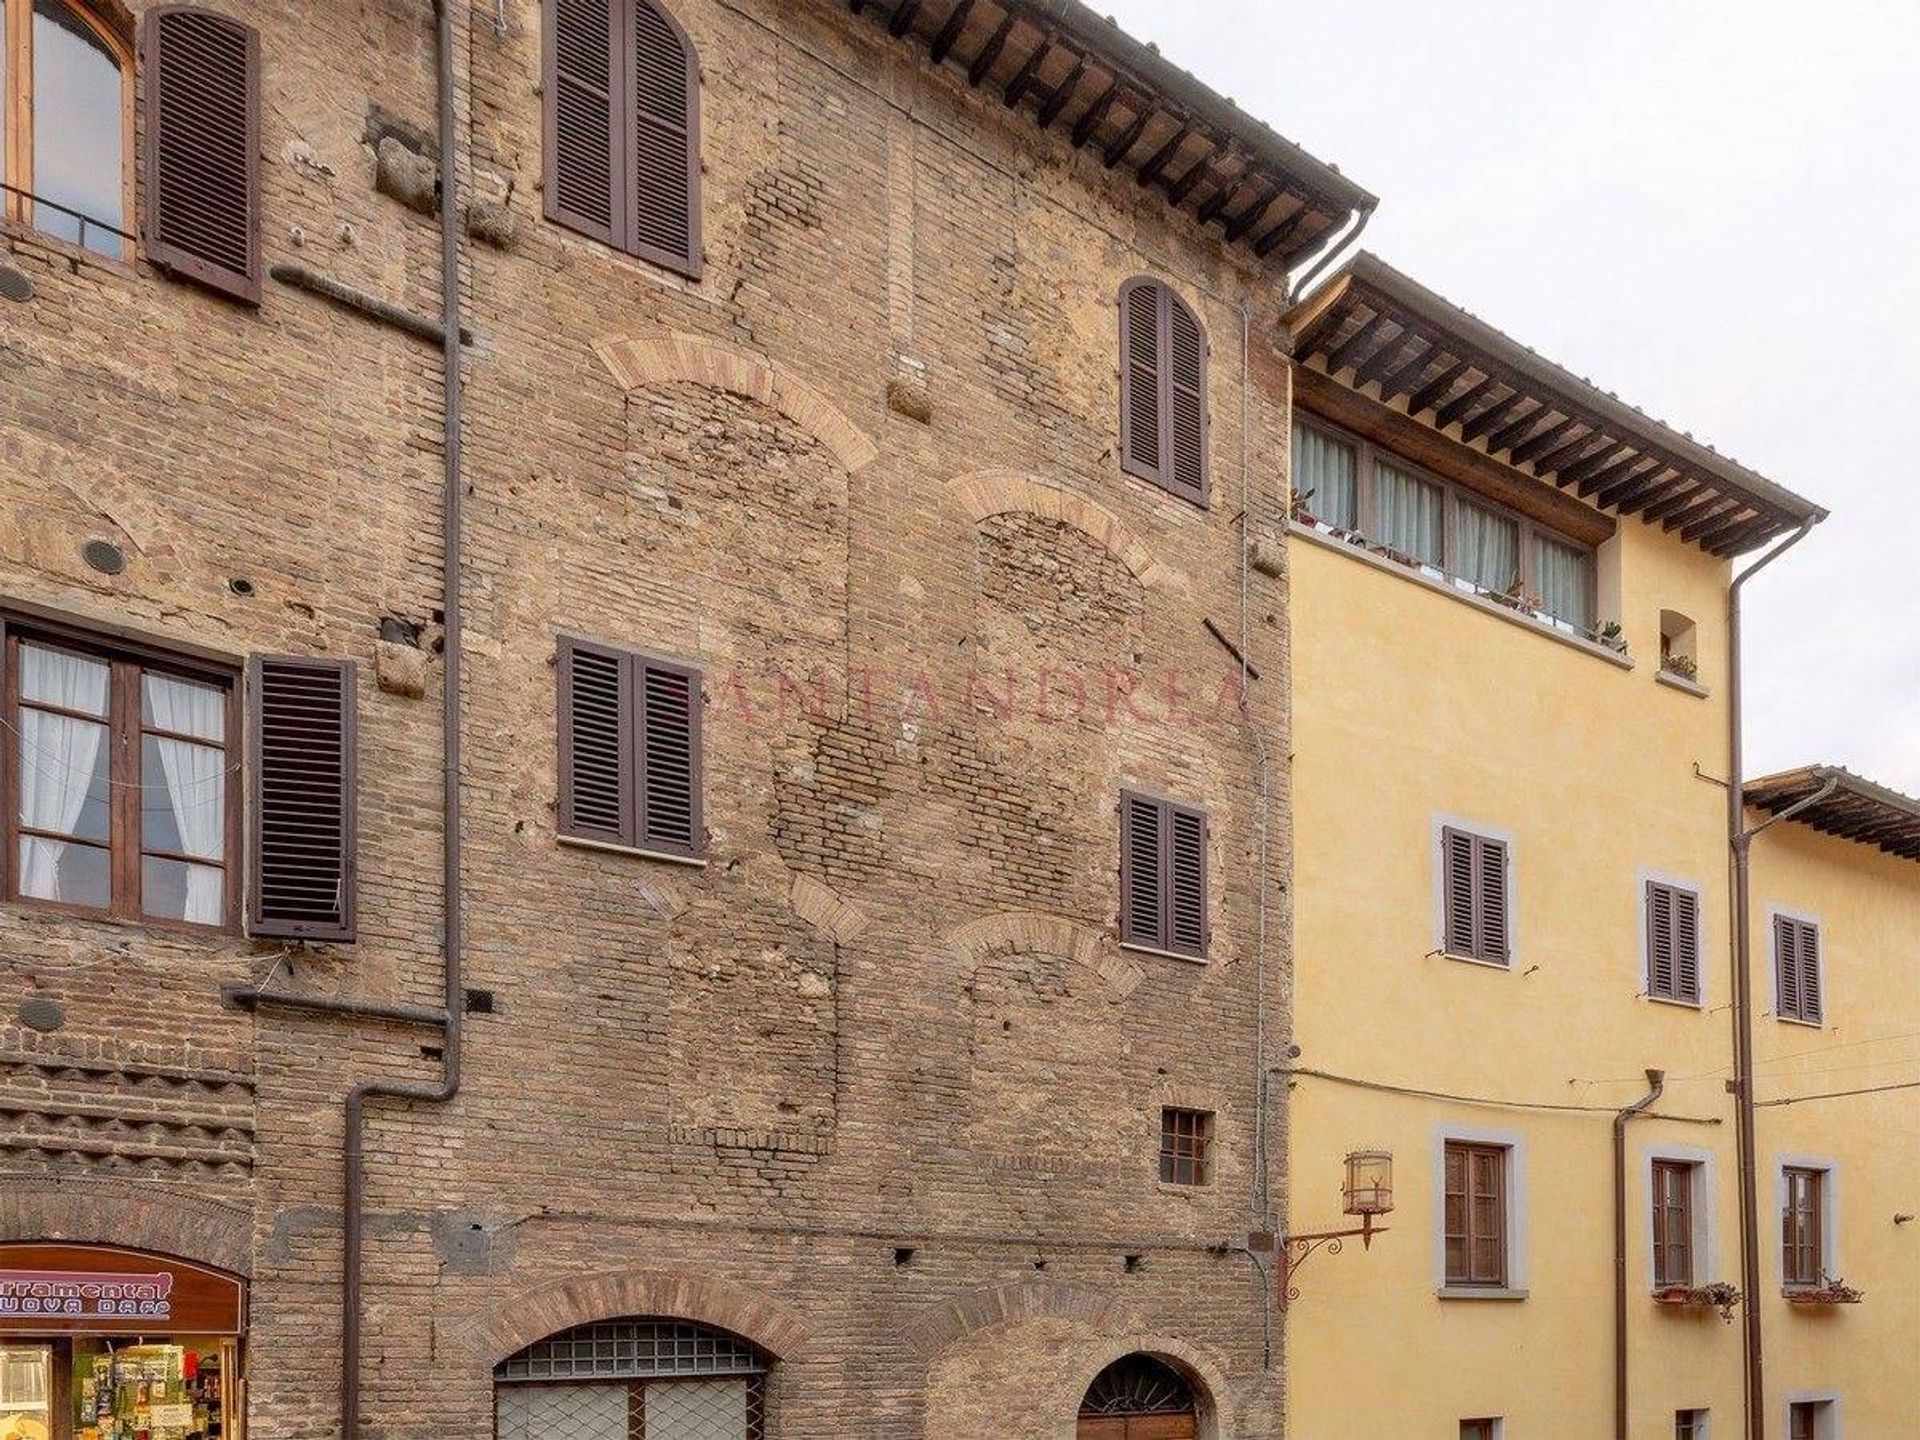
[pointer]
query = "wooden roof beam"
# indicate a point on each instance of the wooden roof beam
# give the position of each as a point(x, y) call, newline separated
point(1709, 501)
point(1183, 187)
point(1728, 526)
point(1283, 232)
point(1480, 424)
point(1361, 339)
point(1130, 137)
point(1717, 515)
point(1542, 441)
point(902, 17)
point(1435, 390)
point(1250, 216)
point(1606, 455)
point(1382, 359)
point(1095, 115)
point(1573, 452)
point(1507, 435)
point(1023, 77)
point(1404, 376)
point(989, 55)
point(1149, 174)
point(1595, 481)
point(1738, 539)
point(1641, 489)
point(1686, 493)
point(950, 32)
point(1217, 202)
point(1463, 402)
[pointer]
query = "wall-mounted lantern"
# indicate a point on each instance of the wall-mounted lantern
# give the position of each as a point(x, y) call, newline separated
point(1368, 1193)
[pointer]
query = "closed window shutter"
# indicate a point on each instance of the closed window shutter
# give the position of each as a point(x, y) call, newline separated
point(1187, 882)
point(301, 738)
point(669, 757)
point(1140, 379)
point(596, 743)
point(202, 216)
point(1686, 946)
point(585, 148)
point(1141, 894)
point(1796, 958)
point(1186, 402)
point(664, 213)
point(1491, 928)
point(1457, 855)
point(1809, 953)
point(1660, 946)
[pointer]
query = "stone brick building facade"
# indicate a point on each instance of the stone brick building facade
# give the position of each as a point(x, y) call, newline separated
point(873, 1086)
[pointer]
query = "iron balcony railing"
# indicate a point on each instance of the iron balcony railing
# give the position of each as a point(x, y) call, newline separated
point(87, 223)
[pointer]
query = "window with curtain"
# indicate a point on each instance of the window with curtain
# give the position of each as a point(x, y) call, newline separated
point(1411, 515)
point(1326, 477)
point(1563, 580)
point(65, 84)
point(1487, 548)
point(119, 777)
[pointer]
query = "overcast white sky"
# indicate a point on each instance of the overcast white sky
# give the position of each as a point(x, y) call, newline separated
point(1711, 207)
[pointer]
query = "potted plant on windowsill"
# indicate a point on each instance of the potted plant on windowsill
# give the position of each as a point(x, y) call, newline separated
point(1682, 667)
point(1303, 510)
point(1827, 1292)
point(1719, 1296)
point(1612, 636)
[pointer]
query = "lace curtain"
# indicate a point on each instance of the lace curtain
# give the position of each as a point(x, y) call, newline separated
point(61, 766)
point(194, 781)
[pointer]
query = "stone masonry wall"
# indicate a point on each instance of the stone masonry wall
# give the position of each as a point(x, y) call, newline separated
point(873, 1085)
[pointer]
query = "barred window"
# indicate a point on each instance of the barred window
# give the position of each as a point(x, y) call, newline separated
point(661, 1379)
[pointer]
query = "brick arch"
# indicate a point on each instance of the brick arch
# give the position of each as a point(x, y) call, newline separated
point(1027, 932)
point(1202, 1370)
point(690, 359)
point(520, 1319)
point(939, 1326)
point(138, 1216)
point(986, 493)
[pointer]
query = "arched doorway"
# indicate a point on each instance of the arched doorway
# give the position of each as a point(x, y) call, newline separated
point(1139, 1398)
point(661, 1378)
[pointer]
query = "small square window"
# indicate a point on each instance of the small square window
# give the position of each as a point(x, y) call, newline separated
point(1482, 1429)
point(1186, 1136)
point(1689, 1425)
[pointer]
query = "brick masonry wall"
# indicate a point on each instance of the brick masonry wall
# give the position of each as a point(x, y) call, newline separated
point(889, 1012)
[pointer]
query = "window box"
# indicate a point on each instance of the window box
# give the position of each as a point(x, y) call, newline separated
point(1827, 1292)
point(1718, 1296)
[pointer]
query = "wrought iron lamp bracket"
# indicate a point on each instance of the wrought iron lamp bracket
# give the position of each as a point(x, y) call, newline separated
point(1294, 1250)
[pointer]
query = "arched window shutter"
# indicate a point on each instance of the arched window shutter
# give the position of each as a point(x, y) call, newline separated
point(622, 120)
point(582, 116)
point(1163, 390)
point(202, 216)
point(665, 216)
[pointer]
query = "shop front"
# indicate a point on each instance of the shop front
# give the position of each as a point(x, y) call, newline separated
point(98, 1343)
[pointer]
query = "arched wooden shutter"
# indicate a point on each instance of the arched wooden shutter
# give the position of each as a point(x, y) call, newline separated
point(1163, 390)
point(665, 217)
point(300, 719)
point(202, 213)
point(622, 123)
point(583, 89)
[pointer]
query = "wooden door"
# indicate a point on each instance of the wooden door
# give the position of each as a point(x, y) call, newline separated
point(1137, 1427)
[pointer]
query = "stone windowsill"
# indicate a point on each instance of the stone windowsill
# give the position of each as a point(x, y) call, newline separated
point(1681, 683)
point(694, 862)
point(1479, 1292)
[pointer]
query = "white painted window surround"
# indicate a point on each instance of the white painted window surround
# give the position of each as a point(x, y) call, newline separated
point(1829, 1403)
point(1518, 1219)
point(1706, 1239)
point(1830, 1261)
point(1773, 965)
point(1641, 880)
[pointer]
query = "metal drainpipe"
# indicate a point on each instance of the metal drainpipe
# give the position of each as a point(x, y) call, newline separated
point(1755, 1395)
point(1333, 252)
point(354, 1216)
point(1656, 1082)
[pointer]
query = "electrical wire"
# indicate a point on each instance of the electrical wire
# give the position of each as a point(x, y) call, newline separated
point(1490, 1101)
point(1837, 1094)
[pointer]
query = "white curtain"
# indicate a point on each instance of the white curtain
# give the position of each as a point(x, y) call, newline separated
point(1324, 476)
point(58, 757)
point(1565, 581)
point(1488, 548)
point(1411, 517)
point(196, 781)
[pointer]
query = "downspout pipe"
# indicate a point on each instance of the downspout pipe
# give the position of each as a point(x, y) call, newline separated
point(1656, 1083)
point(1740, 842)
point(1333, 252)
point(354, 1218)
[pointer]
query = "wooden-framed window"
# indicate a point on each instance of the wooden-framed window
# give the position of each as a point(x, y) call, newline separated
point(66, 124)
point(1673, 943)
point(1474, 876)
point(1796, 969)
point(1186, 1140)
point(1689, 1425)
point(119, 780)
point(1807, 1419)
point(629, 750)
point(1485, 1428)
point(621, 113)
point(1803, 1222)
point(1163, 875)
point(1673, 1183)
point(1476, 1214)
point(1349, 487)
point(1163, 389)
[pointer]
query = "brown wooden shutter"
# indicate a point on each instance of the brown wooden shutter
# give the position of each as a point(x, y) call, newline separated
point(1491, 924)
point(1186, 473)
point(1686, 946)
point(1660, 949)
point(582, 103)
point(1140, 371)
point(202, 213)
point(1141, 894)
point(301, 739)
point(596, 743)
point(1809, 955)
point(663, 217)
point(1786, 959)
point(1187, 881)
point(669, 757)
point(1457, 880)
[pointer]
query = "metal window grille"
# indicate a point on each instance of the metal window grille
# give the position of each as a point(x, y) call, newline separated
point(1183, 1146)
point(633, 1350)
